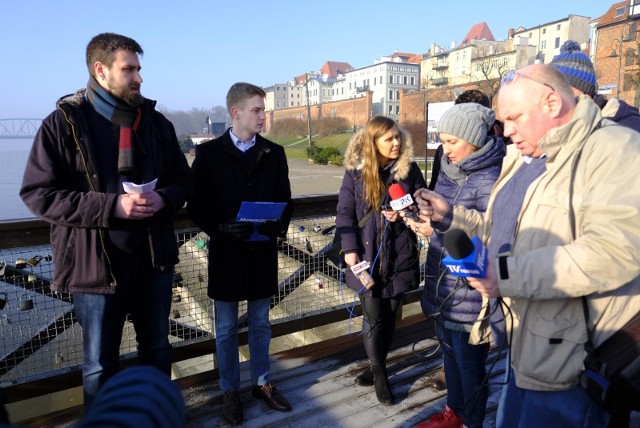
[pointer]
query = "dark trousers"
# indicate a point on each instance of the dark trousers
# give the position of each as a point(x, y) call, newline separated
point(379, 325)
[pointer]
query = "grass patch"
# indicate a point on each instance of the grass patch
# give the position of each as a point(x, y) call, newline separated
point(296, 147)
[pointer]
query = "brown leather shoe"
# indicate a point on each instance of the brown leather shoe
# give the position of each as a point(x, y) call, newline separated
point(231, 407)
point(271, 396)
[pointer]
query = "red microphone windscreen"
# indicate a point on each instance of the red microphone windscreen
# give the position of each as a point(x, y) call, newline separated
point(396, 191)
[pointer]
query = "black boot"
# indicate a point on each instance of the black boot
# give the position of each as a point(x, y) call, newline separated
point(365, 378)
point(381, 384)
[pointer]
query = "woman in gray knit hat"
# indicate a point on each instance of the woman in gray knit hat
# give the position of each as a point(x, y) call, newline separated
point(471, 164)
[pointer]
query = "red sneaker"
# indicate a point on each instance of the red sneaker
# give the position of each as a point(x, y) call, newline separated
point(445, 419)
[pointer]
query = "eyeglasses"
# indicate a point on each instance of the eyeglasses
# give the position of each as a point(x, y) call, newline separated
point(511, 75)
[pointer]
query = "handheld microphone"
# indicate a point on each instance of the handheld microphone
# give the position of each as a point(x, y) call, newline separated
point(400, 201)
point(466, 257)
point(361, 271)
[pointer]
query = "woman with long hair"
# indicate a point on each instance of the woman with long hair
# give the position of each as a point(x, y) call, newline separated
point(378, 156)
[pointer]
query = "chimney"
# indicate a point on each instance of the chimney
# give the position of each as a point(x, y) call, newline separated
point(510, 33)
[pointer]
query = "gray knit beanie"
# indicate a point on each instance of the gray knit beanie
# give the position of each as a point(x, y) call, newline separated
point(576, 67)
point(469, 121)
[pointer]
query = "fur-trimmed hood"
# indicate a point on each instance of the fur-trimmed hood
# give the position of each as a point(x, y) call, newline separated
point(353, 155)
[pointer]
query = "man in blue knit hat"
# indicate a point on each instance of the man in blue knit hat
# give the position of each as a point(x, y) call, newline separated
point(578, 69)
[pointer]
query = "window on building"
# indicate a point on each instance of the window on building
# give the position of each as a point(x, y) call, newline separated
point(390, 95)
point(619, 11)
point(390, 109)
point(391, 78)
point(529, 35)
point(413, 80)
point(543, 45)
point(406, 80)
point(557, 43)
point(397, 109)
point(374, 81)
point(397, 95)
point(629, 57)
point(633, 31)
point(627, 83)
point(544, 31)
point(558, 27)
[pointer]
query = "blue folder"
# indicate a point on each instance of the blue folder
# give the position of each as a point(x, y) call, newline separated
point(258, 212)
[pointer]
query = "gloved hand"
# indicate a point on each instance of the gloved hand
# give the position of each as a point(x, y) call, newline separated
point(270, 228)
point(239, 231)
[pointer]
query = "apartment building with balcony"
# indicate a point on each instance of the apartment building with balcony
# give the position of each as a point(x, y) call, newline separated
point(386, 79)
point(335, 81)
point(547, 38)
point(276, 96)
point(481, 59)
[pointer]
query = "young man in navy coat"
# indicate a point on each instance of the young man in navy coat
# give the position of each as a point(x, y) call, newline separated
point(242, 166)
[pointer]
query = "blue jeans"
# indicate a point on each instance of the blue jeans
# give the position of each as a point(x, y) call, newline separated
point(523, 408)
point(226, 320)
point(465, 372)
point(147, 298)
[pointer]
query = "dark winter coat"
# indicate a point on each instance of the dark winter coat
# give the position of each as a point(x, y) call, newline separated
point(481, 169)
point(622, 113)
point(245, 270)
point(62, 186)
point(396, 268)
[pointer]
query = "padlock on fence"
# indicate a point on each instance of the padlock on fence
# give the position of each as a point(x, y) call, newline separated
point(26, 302)
point(21, 263)
point(33, 261)
point(3, 299)
point(31, 277)
point(5, 320)
point(3, 266)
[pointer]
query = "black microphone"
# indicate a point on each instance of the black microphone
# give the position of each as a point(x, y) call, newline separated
point(467, 258)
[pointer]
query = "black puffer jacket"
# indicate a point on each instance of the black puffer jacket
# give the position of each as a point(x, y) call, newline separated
point(61, 185)
point(442, 297)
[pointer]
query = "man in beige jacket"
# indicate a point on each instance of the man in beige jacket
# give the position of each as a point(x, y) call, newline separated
point(563, 222)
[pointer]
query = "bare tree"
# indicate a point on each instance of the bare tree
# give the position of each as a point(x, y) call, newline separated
point(488, 68)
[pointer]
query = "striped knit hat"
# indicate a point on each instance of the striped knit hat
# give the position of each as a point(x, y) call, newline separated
point(576, 67)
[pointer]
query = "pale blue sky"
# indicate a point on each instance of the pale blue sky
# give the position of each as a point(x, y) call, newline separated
point(195, 50)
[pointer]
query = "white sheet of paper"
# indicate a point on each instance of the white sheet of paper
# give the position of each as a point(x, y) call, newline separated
point(131, 188)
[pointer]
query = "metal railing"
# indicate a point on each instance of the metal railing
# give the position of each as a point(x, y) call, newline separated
point(41, 341)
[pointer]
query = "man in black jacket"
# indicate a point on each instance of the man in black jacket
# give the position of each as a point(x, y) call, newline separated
point(113, 241)
point(241, 166)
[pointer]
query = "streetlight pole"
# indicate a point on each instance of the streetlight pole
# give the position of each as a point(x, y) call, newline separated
point(306, 84)
point(425, 103)
point(618, 44)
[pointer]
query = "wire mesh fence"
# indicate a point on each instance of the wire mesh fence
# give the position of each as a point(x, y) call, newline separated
point(40, 335)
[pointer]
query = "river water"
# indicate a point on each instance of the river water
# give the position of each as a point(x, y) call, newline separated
point(13, 158)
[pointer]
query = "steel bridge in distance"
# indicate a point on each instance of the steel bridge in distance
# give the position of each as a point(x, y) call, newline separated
point(11, 129)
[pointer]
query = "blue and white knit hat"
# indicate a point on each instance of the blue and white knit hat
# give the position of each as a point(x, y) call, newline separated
point(576, 67)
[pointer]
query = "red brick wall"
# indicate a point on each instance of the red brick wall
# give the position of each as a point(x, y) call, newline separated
point(356, 111)
point(412, 104)
point(607, 68)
